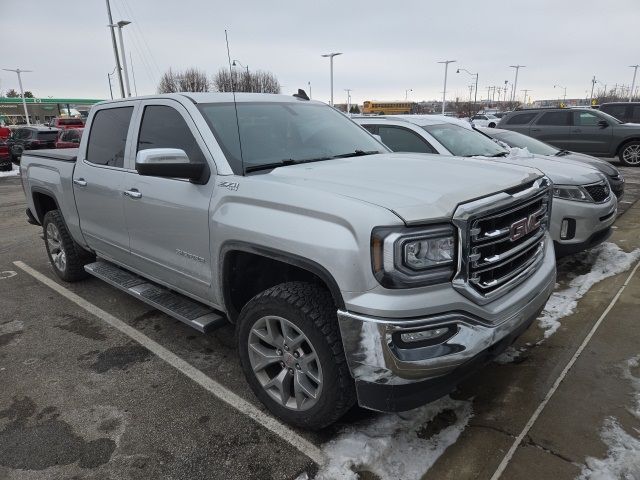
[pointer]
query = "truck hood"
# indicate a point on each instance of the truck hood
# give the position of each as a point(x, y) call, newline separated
point(416, 187)
point(565, 172)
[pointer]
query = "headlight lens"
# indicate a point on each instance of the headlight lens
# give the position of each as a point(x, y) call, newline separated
point(571, 192)
point(412, 257)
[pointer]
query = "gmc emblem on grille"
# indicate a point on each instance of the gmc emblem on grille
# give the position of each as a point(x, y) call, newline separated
point(526, 225)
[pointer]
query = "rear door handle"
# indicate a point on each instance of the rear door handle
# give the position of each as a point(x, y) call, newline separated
point(535, 129)
point(80, 182)
point(577, 130)
point(133, 193)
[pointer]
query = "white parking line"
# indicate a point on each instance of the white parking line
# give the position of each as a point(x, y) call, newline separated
point(516, 443)
point(227, 396)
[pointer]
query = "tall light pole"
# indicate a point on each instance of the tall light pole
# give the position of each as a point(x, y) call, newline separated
point(246, 67)
point(564, 96)
point(309, 83)
point(115, 49)
point(120, 25)
point(633, 82)
point(331, 55)
point(24, 102)
point(515, 82)
point(348, 90)
point(475, 99)
point(525, 95)
point(506, 82)
point(444, 92)
point(406, 93)
point(593, 84)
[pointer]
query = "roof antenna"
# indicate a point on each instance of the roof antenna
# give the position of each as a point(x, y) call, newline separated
point(235, 105)
point(301, 94)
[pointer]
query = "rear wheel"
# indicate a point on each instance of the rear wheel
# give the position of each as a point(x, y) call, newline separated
point(292, 355)
point(492, 125)
point(630, 154)
point(66, 256)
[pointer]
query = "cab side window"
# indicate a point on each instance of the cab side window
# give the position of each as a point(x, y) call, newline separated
point(164, 127)
point(108, 136)
point(403, 140)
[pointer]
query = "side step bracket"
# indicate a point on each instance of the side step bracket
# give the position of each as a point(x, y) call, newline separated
point(176, 305)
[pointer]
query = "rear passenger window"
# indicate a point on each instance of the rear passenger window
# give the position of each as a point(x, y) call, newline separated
point(402, 140)
point(108, 136)
point(555, 118)
point(635, 115)
point(521, 118)
point(164, 127)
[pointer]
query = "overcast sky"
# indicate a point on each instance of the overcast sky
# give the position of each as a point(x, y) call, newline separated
point(388, 46)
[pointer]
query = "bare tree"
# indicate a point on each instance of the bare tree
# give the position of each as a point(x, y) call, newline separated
point(11, 93)
point(258, 81)
point(168, 82)
point(193, 80)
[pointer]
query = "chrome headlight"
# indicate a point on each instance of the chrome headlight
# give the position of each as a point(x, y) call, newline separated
point(572, 192)
point(410, 257)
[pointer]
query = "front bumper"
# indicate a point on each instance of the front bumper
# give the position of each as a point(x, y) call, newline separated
point(586, 221)
point(390, 376)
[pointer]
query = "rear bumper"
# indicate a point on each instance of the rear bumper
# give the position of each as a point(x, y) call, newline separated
point(394, 376)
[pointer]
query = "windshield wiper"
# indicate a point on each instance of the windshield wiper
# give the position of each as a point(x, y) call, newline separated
point(267, 166)
point(562, 153)
point(356, 153)
point(500, 154)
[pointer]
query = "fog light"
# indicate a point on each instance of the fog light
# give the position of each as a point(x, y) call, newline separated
point(412, 337)
point(564, 229)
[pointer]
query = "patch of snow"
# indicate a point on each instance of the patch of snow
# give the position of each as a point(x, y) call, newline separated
point(392, 445)
point(633, 363)
point(607, 260)
point(370, 343)
point(520, 152)
point(509, 355)
point(11, 173)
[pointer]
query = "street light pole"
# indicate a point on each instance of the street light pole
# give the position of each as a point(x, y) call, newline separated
point(515, 82)
point(110, 89)
point(120, 24)
point(593, 84)
point(475, 99)
point(406, 93)
point(115, 48)
point(633, 82)
point(246, 67)
point(310, 97)
point(564, 96)
point(331, 55)
point(444, 92)
point(525, 95)
point(348, 90)
point(24, 102)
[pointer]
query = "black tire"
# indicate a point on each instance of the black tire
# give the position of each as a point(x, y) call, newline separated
point(492, 125)
point(71, 269)
point(6, 165)
point(311, 309)
point(634, 145)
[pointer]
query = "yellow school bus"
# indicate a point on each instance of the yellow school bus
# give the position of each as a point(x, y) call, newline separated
point(386, 108)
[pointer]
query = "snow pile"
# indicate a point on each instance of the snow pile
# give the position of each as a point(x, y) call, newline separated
point(607, 260)
point(396, 446)
point(11, 173)
point(623, 455)
point(518, 152)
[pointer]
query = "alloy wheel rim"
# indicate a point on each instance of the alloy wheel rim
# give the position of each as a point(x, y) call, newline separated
point(631, 154)
point(285, 363)
point(54, 245)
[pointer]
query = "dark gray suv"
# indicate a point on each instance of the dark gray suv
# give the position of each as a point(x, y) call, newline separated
point(581, 130)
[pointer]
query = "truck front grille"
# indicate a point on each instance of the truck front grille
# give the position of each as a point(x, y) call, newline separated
point(599, 191)
point(502, 240)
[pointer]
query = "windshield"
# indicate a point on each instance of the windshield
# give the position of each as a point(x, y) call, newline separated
point(464, 142)
point(284, 132)
point(514, 139)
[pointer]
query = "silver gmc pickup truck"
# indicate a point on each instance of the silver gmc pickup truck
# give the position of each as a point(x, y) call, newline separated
point(352, 274)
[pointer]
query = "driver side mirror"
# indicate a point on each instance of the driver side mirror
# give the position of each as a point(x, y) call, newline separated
point(603, 123)
point(170, 163)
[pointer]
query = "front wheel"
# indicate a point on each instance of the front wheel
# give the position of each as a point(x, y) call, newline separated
point(66, 256)
point(292, 356)
point(630, 154)
point(492, 125)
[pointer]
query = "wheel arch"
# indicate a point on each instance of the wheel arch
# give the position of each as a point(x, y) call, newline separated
point(267, 267)
point(624, 143)
point(43, 201)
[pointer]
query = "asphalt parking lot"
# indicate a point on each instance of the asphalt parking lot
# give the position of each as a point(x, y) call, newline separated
point(84, 400)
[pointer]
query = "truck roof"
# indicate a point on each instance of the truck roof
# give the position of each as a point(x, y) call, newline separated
point(219, 97)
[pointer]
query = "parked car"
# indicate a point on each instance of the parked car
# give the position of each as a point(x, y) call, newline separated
point(4, 132)
point(352, 274)
point(485, 120)
point(5, 160)
point(626, 112)
point(583, 207)
point(66, 122)
point(518, 140)
point(582, 130)
point(30, 138)
point(69, 138)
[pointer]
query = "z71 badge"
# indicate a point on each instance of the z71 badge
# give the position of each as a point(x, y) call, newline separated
point(229, 185)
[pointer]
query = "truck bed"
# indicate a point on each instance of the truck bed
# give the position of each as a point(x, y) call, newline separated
point(62, 154)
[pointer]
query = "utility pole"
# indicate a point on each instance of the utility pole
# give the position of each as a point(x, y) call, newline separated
point(525, 95)
point(348, 90)
point(444, 92)
point(633, 82)
point(488, 96)
point(406, 93)
point(505, 90)
point(515, 82)
point(330, 56)
point(593, 84)
point(110, 89)
point(310, 97)
point(120, 24)
point(24, 102)
point(115, 49)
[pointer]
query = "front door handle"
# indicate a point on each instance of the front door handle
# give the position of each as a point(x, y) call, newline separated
point(577, 130)
point(535, 129)
point(133, 193)
point(81, 182)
